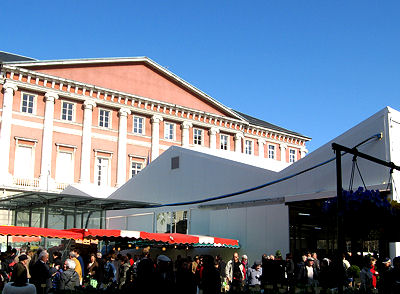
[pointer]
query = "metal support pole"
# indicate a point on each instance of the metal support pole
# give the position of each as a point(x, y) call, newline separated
point(340, 211)
point(101, 218)
point(15, 217)
point(46, 222)
point(75, 218)
point(30, 218)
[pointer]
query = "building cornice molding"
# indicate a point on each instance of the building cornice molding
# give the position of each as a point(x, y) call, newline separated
point(142, 105)
point(142, 59)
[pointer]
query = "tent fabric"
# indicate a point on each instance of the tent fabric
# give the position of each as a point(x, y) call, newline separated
point(171, 239)
point(102, 234)
point(39, 232)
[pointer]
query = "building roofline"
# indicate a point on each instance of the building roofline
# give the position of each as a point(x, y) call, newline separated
point(110, 60)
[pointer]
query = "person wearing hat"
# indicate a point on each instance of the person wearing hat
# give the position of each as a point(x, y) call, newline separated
point(20, 283)
point(254, 277)
point(308, 274)
point(384, 273)
point(164, 278)
point(19, 269)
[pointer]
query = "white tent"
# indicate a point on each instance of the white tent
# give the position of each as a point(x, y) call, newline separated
point(259, 219)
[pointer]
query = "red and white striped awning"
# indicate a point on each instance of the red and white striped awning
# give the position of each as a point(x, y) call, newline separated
point(102, 234)
point(38, 232)
point(168, 238)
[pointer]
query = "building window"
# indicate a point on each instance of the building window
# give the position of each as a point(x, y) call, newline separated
point(169, 131)
point(224, 140)
point(138, 125)
point(104, 118)
point(249, 147)
point(136, 167)
point(292, 155)
point(65, 167)
point(197, 137)
point(28, 103)
point(24, 162)
point(67, 111)
point(102, 171)
point(271, 151)
point(172, 222)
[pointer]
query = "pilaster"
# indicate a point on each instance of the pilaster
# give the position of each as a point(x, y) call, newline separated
point(88, 106)
point(283, 148)
point(9, 89)
point(185, 133)
point(122, 141)
point(213, 137)
point(238, 142)
point(261, 150)
point(155, 136)
point(45, 167)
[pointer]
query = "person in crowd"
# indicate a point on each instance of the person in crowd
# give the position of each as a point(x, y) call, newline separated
point(131, 261)
point(164, 280)
point(56, 257)
point(20, 285)
point(185, 281)
point(308, 274)
point(346, 263)
point(78, 268)
point(123, 270)
point(70, 279)
point(195, 263)
point(289, 272)
point(316, 261)
point(384, 272)
point(40, 273)
point(19, 269)
point(234, 274)
point(110, 274)
point(326, 275)
point(145, 271)
point(4, 270)
point(368, 276)
point(254, 277)
point(56, 272)
point(210, 278)
point(80, 259)
point(100, 269)
point(392, 282)
point(93, 271)
point(115, 259)
point(245, 264)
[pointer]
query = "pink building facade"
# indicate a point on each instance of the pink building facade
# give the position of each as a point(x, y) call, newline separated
point(100, 121)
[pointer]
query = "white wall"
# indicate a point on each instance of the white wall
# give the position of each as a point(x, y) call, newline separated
point(260, 229)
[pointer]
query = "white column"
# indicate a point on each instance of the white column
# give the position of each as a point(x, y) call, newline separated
point(45, 167)
point(185, 133)
point(213, 137)
point(88, 106)
point(261, 151)
point(238, 142)
point(9, 89)
point(122, 141)
point(155, 136)
point(303, 152)
point(283, 152)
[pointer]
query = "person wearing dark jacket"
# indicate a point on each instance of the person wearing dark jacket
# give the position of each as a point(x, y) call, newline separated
point(40, 274)
point(123, 269)
point(210, 279)
point(308, 274)
point(69, 277)
point(19, 269)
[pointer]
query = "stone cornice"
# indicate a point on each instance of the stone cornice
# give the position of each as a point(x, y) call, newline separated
point(27, 79)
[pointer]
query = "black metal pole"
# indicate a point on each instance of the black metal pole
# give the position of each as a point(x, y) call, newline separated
point(340, 210)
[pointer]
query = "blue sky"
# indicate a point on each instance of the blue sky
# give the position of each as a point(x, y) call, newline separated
point(315, 67)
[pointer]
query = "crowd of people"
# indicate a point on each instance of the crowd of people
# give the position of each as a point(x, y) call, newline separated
point(38, 272)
